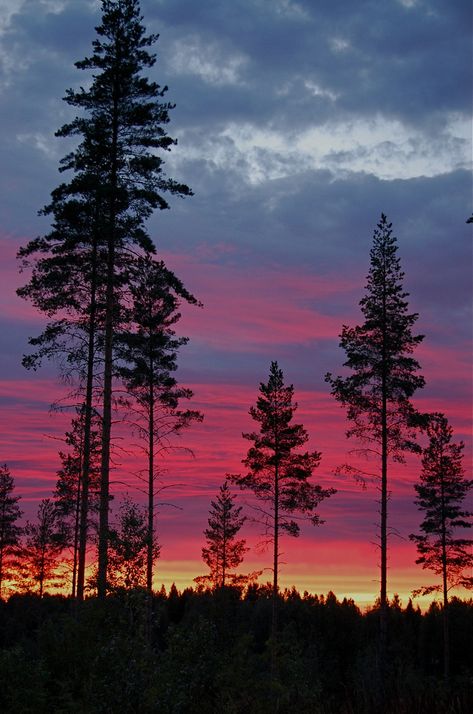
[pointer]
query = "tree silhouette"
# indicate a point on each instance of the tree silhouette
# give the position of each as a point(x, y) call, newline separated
point(67, 285)
point(40, 555)
point(118, 182)
point(377, 394)
point(148, 351)
point(277, 473)
point(224, 551)
point(129, 547)
point(440, 495)
point(9, 530)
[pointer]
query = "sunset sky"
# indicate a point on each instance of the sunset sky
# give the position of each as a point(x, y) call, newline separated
point(298, 123)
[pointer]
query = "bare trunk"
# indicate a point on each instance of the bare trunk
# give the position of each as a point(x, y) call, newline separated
point(149, 563)
point(85, 476)
point(446, 638)
point(274, 619)
point(384, 497)
point(384, 533)
point(106, 429)
point(108, 360)
point(76, 532)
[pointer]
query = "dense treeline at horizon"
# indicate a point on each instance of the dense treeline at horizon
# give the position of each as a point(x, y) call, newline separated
point(210, 651)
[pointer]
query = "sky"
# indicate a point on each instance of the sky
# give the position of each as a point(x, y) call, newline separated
point(298, 124)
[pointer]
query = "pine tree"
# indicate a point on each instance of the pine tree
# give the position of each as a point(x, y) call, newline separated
point(129, 547)
point(277, 473)
point(224, 551)
point(118, 182)
point(67, 284)
point(40, 555)
point(9, 530)
point(148, 352)
point(384, 377)
point(440, 495)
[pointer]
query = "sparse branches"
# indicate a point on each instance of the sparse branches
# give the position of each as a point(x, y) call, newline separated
point(384, 375)
point(277, 472)
point(441, 493)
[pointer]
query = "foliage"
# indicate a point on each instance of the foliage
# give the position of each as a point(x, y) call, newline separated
point(377, 393)
point(148, 352)
point(55, 656)
point(277, 473)
point(40, 556)
point(384, 376)
point(224, 551)
point(128, 547)
point(440, 495)
point(9, 530)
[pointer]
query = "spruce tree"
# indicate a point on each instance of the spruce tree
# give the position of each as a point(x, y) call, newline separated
point(129, 547)
point(441, 493)
point(148, 352)
point(10, 532)
point(278, 474)
point(40, 554)
point(224, 551)
point(384, 376)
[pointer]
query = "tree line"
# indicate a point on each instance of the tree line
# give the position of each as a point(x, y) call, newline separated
point(112, 308)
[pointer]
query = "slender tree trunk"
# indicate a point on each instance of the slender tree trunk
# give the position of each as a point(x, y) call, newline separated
point(1, 569)
point(149, 562)
point(224, 550)
point(85, 475)
point(106, 426)
point(384, 495)
point(108, 359)
point(384, 531)
point(446, 636)
point(274, 620)
point(76, 531)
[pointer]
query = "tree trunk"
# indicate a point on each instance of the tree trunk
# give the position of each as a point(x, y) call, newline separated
point(384, 533)
point(106, 426)
point(85, 476)
point(383, 619)
point(108, 357)
point(446, 637)
point(76, 532)
point(274, 619)
point(149, 562)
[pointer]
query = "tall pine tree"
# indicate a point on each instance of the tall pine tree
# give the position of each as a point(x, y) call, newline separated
point(441, 493)
point(384, 376)
point(148, 352)
point(118, 182)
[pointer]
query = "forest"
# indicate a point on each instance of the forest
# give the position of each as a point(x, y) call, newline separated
point(82, 626)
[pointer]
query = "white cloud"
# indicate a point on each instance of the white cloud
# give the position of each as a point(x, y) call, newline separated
point(382, 147)
point(212, 64)
point(339, 44)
